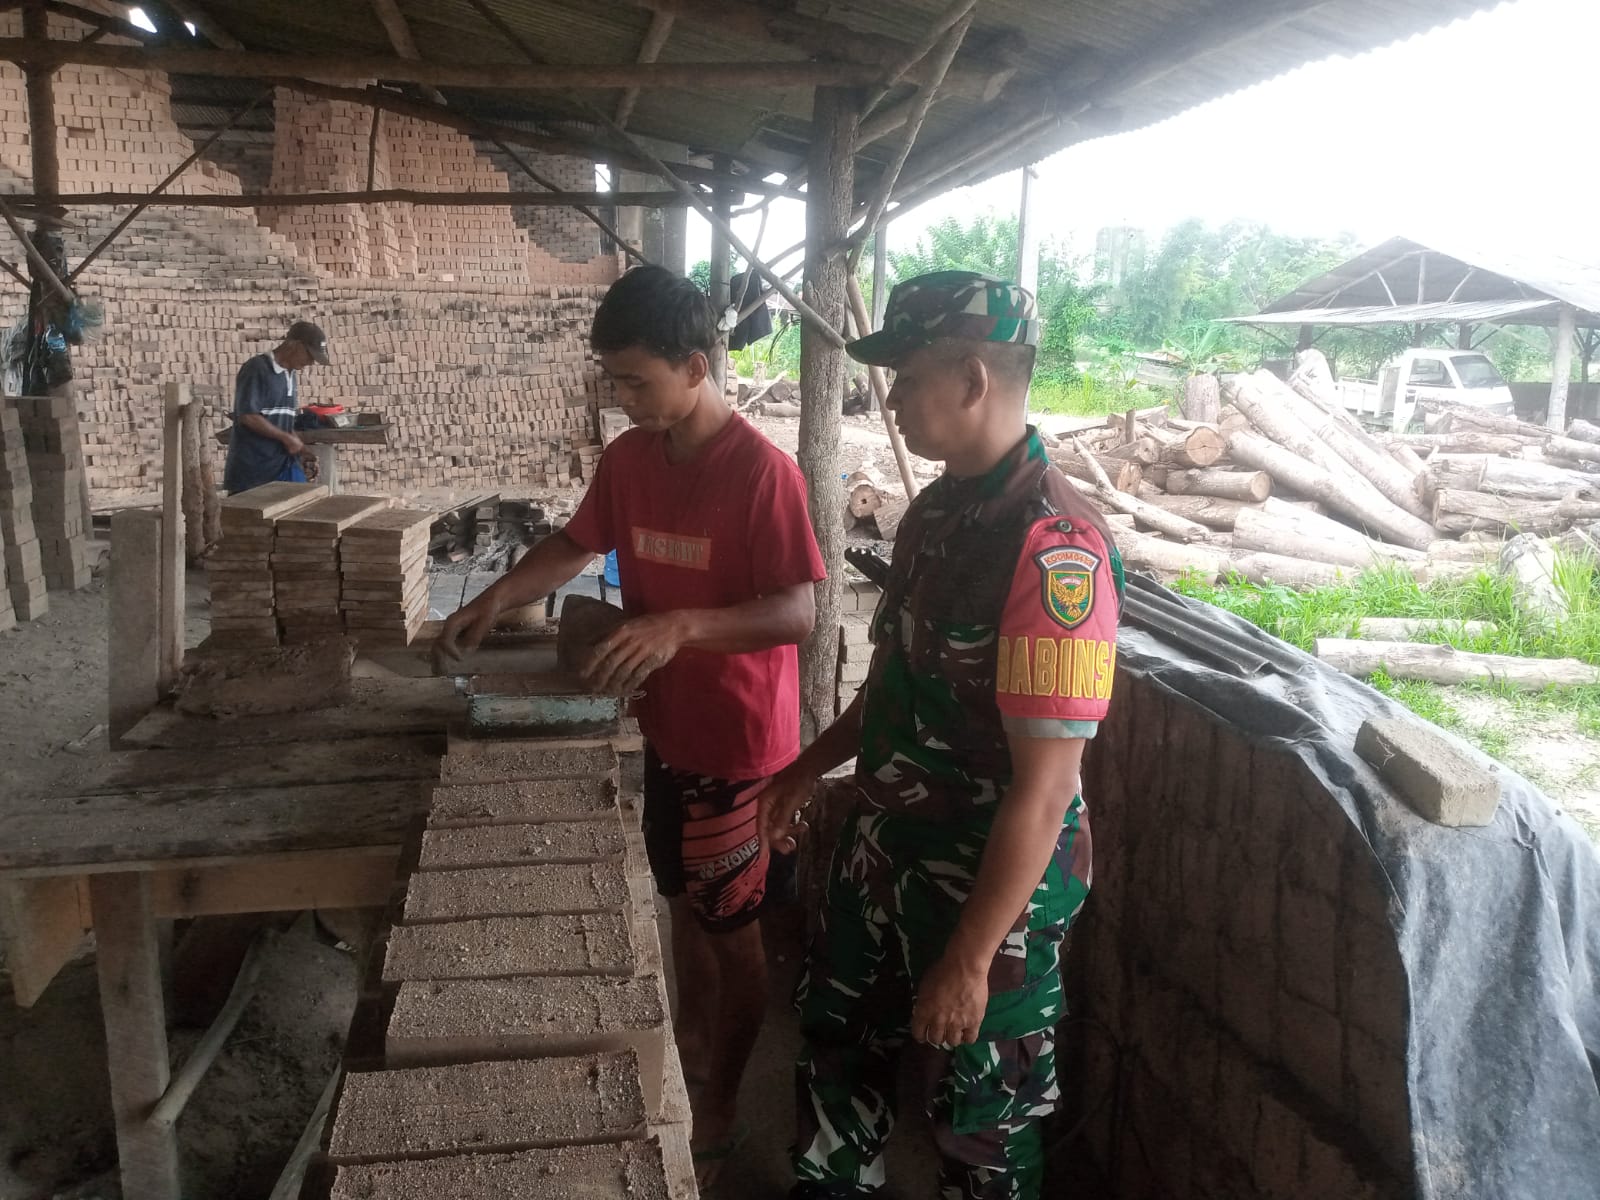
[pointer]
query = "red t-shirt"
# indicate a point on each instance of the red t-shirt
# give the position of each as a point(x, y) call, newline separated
point(728, 526)
point(1058, 634)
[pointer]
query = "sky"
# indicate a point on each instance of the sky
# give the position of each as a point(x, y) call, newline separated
point(1478, 130)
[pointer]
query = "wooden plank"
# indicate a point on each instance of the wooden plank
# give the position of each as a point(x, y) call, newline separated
point(129, 966)
point(353, 760)
point(42, 922)
point(356, 878)
point(377, 707)
point(175, 398)
point(143, 829)
point(328, 518)
point(134, 643)
point(269, 502)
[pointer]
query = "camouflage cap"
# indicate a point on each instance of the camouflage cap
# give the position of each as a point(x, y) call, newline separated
point(960, 304)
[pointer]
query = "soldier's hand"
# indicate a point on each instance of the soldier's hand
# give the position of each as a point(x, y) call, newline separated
point(951, 998)
point(783, 803)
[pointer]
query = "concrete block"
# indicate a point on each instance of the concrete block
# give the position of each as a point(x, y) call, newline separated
point(551, 889)
point(632, 1170)
point(523, 801)
point(1441, 782)
point(444, 1021)
point(518, 845)
point(487, 1107)
point(508, 761)
point(505, 947)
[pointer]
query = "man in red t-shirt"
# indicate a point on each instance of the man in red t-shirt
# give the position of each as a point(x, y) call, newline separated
point(718, 562)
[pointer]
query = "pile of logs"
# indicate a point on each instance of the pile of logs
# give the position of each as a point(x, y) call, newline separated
point(1285, 486)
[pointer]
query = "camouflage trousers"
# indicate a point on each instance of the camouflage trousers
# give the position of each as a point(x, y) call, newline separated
point(894, 897)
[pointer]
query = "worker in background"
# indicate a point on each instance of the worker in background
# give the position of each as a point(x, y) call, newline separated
point(717, 564)
point(966, 855)
point(264, 447)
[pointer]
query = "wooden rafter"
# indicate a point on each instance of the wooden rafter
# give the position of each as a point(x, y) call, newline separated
point(490, 76)
point(649, 50)
point(399, 34)
point(466, 199)
point(975, 77)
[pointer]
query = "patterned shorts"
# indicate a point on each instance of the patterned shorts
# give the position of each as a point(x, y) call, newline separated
point(702, 839)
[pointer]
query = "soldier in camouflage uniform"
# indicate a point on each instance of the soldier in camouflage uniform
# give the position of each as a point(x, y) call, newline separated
point(966, 857)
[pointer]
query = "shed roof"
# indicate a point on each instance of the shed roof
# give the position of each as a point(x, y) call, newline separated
point(1032, 77)
point(1407, 281)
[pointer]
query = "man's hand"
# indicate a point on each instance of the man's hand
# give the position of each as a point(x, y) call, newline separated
point(639, 647)
point(466, 628)
point(293, 444)
point(951, 999)
point(782, 806)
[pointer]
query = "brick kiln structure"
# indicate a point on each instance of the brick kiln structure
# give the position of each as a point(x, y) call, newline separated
point(466, 328)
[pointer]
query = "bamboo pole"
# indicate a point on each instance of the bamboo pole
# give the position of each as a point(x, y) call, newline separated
point(956, 14)
point(37, 260)
point(188, 1076)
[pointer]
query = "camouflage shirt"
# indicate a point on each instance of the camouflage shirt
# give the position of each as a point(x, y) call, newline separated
point(999, 617)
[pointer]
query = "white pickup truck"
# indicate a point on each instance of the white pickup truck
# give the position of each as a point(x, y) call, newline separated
point(1420, 379)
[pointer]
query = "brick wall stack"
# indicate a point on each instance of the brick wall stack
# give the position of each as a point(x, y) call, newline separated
point(24, 571)
point(515, 1037)
point(467, 332)
point(564, 234)
point(1237, 950)
point(858, 600)
point(55, 472)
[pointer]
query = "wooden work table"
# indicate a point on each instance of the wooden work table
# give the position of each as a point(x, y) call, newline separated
point(208, 817)
point(325, 443)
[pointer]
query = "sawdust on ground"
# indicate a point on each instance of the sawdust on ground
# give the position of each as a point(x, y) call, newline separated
point(1549, 750)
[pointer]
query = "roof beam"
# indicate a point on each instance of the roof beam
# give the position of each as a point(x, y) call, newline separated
point(974, 78)
point(394, 24)
point(654, 39)
point(202, 20)
point(494, 75)
point(470, 199)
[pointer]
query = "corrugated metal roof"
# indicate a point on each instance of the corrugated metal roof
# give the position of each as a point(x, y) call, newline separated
point(1402, 273)
point(1077, 52)
point(1476, 312)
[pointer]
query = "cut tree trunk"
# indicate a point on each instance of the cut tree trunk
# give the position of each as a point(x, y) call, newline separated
point(1574, 448)
point(1275, 535)
point(1456, 512)
point(1370, 508)
point(1447, 665)
point(1516, 478)
point(1202, 398)
point(1209, 511)
point(1310, 523)
point(1263, 567)
point(1144, 450)
point(1404, 629)
point(1125, 476)
point(1409, 459)
point(1141, 552)
point(1475, 552)
point(1174, 526)
point(1584, 431)
point(1531, 565)
point(1193, 448)
point(1292, 421)
point(1465, 441)
point(1248, 486)
point(1457, 419)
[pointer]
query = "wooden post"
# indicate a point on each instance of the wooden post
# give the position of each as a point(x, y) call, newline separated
point(1561, 367)
point(175, 398)
point(134, 624)
point(128, 962)
point(723, 205)
point(194, 505)
point(880, 287)
point(822, 373)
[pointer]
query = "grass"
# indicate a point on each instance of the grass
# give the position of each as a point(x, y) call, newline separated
point(1087, 396)
point(1301, 617)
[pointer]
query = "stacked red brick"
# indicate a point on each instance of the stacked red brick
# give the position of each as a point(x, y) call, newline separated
point(305, 564)
point(24, 571)
point(55, 471)
point(383, 574)
point(243, 608)
point(522, 1038)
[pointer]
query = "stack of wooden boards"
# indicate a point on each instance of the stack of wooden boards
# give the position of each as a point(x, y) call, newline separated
point(513, 1038)
point(1283, 485)
point(23, 578)
point(295, 564)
